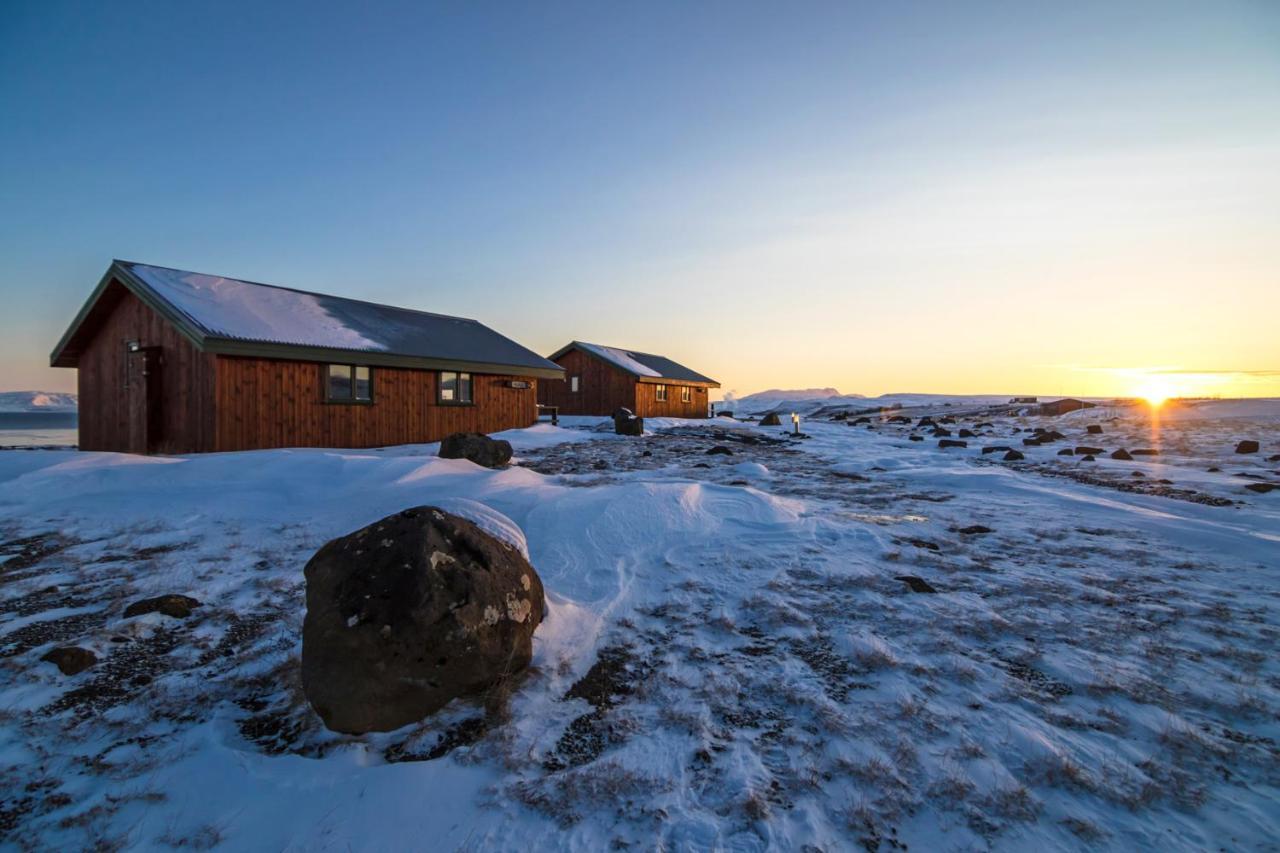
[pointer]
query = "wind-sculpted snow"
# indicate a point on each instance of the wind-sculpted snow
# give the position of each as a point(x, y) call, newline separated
point(844, 641)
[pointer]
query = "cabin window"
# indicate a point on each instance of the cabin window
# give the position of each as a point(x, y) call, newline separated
point(455, 388)
point(660, 393)
point(573, 384)
point(686, 394)
point(348, 383)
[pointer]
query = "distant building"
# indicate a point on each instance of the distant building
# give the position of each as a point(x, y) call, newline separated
point(178, 362)
point(599, 380)
point(1061, 407)
point(1017, 400)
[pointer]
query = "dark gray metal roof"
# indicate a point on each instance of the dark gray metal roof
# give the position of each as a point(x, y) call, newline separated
point(644, 366)
point(236, 317)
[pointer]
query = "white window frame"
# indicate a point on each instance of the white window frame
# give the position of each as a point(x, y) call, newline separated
point(660, 393)
point(686, 394)
point(574, 384)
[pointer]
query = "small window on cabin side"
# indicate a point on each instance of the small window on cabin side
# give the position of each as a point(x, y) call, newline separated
point(347, 383)
point(573, 384)
point(455, 388)
point(660, 393)
point(686, 394)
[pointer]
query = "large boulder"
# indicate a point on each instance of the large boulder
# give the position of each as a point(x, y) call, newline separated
point(1247, 446)
point(625, 422)
point(477, 447)
point(772, 419)
point(411, 612)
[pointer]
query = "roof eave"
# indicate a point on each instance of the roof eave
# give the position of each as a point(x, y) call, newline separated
point(667, 380)
point(295, 352)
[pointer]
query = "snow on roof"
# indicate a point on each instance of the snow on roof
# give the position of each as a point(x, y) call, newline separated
point(641, 364)
point(231, 309)
point(620, 357)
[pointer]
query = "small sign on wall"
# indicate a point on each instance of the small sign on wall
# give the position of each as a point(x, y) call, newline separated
point(518, 383)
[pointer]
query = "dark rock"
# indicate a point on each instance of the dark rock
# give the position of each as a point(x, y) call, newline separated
point(1088, 457)
point(975, 529)
point(984, 425)
point(1031, 442)
point(1013, 456)
point(1262, 488)
point(177, 606)
point(72, 660)
point(647, 453)
point(1138, 475)
point(600, 465)
point(939, 432)
point(771, 419)
point(1066, 451)
point(1214, 470)
point(411, 612)
point(1145, 451)
point(1093, 429)
point(899, 419)
point(947, 419)
point(862, 420)
point(916, 584)
point(719, 450)
point(925, 421)
point(1247, 446)
point(1122, 455)
point(476, 447)
point(964, 433)
point(625, 422)
point(1275, 458)
point(1086, 450)
point(724, 414)
point(996, 448)
point(952, 442)
point(916, 437)
point(700, 465)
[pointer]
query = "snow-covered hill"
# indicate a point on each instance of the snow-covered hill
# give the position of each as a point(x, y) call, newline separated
point(764, 401)
point(37, 401)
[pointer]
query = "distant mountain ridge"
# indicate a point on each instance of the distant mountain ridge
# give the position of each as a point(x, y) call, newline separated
point(37, 401)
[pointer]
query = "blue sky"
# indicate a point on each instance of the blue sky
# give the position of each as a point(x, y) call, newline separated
point(881, 197)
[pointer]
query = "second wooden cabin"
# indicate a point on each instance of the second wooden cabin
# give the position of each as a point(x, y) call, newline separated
point(598, 380)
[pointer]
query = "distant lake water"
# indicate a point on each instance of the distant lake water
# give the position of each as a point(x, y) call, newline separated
point(36, 429)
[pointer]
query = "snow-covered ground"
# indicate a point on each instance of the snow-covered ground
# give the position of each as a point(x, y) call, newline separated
point(730, 658)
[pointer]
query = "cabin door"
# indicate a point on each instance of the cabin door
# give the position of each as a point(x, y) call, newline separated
point(143, 364)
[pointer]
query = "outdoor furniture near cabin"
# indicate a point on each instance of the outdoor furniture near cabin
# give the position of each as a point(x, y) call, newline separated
point(553, 410)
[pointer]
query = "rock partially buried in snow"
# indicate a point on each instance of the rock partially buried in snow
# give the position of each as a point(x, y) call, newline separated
point(476, 447)
point(1247, 446)
point(1262, 488)
point(1093, 429)
point(771, 419)
point(625, 422)
point(719, 450)
point(72, 660)
point(916, 584)
point(177, 606)
point(411, 612)
point(1122, 455)
point(1012, 456)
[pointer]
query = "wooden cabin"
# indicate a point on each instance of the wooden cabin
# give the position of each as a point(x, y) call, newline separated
point(598, 380)
point(179, 362)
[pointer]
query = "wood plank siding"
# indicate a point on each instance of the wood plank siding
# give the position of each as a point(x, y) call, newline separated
point(602, 388)
point(264, 403)
point(109, 382)
point(648, 406)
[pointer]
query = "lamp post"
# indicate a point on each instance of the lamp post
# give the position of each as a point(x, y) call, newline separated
point(795, 423)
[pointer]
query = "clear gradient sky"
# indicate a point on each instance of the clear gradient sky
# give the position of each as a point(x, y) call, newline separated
point(1003, 197)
